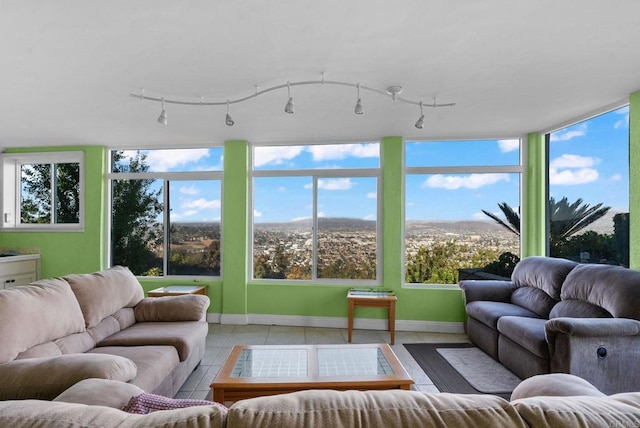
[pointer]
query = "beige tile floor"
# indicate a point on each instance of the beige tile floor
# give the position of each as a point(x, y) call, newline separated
point(222, 337)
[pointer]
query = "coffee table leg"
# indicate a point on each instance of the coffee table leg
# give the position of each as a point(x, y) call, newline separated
point(350, 320)
point(218, 395)
point(392, 321)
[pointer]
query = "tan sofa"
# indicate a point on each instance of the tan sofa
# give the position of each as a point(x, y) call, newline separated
point(554, 400)
point(56, 332)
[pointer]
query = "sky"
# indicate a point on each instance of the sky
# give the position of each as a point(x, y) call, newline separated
point(588, 160)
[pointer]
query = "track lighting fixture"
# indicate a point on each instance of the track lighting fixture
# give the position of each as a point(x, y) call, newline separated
point(289, 107)
point(358, 109)
point(163, 116)
point(392, 91)
point(227, 119)
point(420, 122)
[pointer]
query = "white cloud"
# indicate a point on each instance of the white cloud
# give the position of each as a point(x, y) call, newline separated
point(471, 181)
point(624, 123)
point(191, 190)
point(571, 169)
point(335, 184)
point(369, 217)
point(189, 212)
point(372, 195)
point(282, 189)
point(568, 134)
point(300, 218)
point(275, 154)
point(256, 213)
point(163, 160)
point(616, 177)
point(342, 151)
point(321, 214)
point(508, 145)
point(202, 203)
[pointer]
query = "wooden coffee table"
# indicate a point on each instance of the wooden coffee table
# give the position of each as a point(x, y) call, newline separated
point(253, 371)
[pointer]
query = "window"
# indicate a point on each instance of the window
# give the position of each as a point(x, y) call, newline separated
point(165, 211)
point(43, 191)
point(456, 196)
point(588, 173)
point(315, 212)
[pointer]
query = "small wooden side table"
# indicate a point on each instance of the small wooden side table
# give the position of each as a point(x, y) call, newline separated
point(178, 290)
point(373, 299)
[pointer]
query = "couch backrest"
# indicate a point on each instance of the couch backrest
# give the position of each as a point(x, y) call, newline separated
point(601, 289)
point(538, 281)
point(102, 294)
point(35, 315)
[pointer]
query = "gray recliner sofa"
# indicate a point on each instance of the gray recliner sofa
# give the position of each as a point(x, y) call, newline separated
point(555, 315)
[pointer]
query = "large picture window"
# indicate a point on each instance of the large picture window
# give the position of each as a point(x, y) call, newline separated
point(165, 211)
point(315, 212)
point(462, 201)
point(588, 174)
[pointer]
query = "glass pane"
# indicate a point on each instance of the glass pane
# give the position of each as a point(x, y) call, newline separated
point(168, 160)
point(446, 228)
point(35, 198)
point(137, 239)
point(462, 153)
point(347, 214)
point(67, 185)
point(271, 363)
point(353, 361)
point(282, 227)
point(194, 234)
point(332, 156)
point(589, 190)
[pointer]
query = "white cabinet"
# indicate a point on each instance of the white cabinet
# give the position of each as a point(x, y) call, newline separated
point(19, 270)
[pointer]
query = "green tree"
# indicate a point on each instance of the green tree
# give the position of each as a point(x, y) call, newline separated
point(136, 234)
point(567, 219)
point(38, 200)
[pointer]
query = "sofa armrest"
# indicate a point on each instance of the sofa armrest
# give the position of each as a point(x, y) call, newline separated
point(494, 291)
point(45, 378)
point(592, 327)
point(189, 307)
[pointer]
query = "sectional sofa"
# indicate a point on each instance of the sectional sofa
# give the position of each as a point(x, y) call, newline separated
point(555, 400)
point(555, 315)
point(57, 332)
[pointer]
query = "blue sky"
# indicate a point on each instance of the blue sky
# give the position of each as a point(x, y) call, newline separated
point(588, 160)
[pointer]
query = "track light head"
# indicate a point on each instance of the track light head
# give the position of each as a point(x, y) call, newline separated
point(162, 119)
point(420, 123)
point(227, 119)
point(289, 107)
point(358, 109)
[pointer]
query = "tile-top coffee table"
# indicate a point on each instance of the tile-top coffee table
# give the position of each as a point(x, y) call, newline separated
point(253, 371)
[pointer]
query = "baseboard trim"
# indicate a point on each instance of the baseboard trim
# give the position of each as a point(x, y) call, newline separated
point(336, 322)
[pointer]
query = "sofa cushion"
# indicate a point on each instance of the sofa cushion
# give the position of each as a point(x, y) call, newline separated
point(55, 414)
point(184, 336)
point(580, 411)
point(534, 299)
point(103, 293)
point(27, 315)
point(100, 392)
point(613, 288)
point(526, 332)
point(154, 363)
point(554, 385)
point(578, 309)
point(389, 409)
point(545, 273)
point(488, 313)
point(46, 378)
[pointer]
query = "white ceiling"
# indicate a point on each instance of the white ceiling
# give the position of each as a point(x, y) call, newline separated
point(511, 67)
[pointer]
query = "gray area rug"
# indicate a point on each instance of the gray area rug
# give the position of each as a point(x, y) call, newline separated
point(463, 368)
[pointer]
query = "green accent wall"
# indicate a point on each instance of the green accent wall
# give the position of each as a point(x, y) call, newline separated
point(634, 180)
point(534, 197)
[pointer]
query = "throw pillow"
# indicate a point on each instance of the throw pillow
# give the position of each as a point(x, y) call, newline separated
point(146, 403)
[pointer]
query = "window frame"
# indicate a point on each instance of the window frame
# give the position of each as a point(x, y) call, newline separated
point(470, 169)
point(316, 174)
point(11, 190)
point(166, 178)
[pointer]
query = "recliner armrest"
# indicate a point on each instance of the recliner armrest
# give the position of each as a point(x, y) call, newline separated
point(480, 290)
point(189, 307)
point(592, 327)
